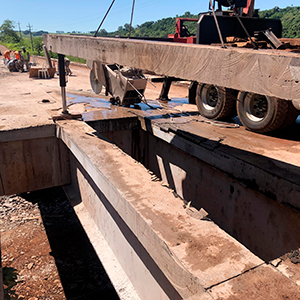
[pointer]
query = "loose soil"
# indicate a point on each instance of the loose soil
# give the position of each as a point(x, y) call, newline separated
point(45, 251)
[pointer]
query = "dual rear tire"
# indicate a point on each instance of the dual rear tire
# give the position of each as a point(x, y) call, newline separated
point(215, 102)
point(263, 114)
point(256, 112)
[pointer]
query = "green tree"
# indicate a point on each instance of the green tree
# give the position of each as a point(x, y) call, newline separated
point(7, 33)
point(290, 19)
point(38, 45)
point(102, 32)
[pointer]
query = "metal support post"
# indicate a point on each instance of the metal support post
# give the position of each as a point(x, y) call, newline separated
point(166, 88)
point(62, 81)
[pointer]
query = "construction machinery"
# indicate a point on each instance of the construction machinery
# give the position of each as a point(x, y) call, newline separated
point(226, 77)
point(238, 27)
point(125, 85)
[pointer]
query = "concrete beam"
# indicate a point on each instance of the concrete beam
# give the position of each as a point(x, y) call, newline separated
point(145, 225)
point(275, 286)
point(266, 72)
point(275, 179)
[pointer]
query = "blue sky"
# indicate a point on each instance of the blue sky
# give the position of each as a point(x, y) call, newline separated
point(86, 15)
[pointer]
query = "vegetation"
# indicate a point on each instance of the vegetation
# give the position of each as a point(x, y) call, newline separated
point(159, 28)
point(10, 38)
point(7, 32)
point(290, 18)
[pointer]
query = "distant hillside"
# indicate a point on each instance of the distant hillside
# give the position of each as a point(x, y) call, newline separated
point(290, 18)
point(159, 28)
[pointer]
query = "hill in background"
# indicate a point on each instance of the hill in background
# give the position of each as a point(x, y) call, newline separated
point(289, 16)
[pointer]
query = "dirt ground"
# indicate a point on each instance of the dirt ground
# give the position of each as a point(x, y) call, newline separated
point(46, 253)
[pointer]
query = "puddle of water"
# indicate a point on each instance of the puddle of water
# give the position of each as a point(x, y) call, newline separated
point(163, 104)
point(108, 110)
point(90, 101)
point(113, 113)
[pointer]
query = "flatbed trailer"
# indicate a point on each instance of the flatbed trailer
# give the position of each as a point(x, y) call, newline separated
point(263, 81)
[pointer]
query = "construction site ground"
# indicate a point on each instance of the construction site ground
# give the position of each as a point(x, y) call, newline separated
point(45, 252)
point(39, 242)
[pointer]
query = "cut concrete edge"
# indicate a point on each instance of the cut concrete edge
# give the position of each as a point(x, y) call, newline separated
point(168, 256)
point(288, 269)
point(255, 284)
point(28, 133)
point(118, 277)
point(284, 190)
point(158, 247)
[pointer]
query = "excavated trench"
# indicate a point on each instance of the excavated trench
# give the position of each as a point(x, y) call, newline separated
point(240, 207)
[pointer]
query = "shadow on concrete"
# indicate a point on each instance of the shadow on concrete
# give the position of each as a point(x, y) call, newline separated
point(291, 133)
point(81, 272)
point(126, 232)
point(239, 206)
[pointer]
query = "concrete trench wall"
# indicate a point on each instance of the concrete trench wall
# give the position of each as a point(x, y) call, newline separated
point(107, 183)
point(32, 160)
point(264, 226)
point(127, 248)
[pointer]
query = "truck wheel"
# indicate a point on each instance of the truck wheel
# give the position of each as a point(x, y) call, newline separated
point(291, 116)
point(215, 102)
point(260, 113)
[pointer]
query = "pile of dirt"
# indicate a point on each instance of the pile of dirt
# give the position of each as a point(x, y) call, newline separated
point(46, 253)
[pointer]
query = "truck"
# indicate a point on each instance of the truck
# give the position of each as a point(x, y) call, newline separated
point(237, 63)
point(259, 113)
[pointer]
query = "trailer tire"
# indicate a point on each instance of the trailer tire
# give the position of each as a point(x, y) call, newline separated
point(291, 116)
point(216, 102)
point(261, 113)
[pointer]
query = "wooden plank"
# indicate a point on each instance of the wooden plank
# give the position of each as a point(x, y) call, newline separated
point(266, 72)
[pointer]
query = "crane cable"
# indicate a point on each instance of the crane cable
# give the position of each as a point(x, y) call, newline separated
point(104, 18)
point(132, 11)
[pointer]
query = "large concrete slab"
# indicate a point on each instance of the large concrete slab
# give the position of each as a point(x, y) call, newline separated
point(31, 157)
point(261, 283)
point(121, 197)
point(268, 164)
point(266, 72)
point(192, 254)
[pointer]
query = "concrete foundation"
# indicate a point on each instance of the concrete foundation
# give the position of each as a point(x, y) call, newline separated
point(32, 159)
point(152, 244)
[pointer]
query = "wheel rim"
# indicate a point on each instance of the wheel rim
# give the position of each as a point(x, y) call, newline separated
point(210, 98)
point(256, 107)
